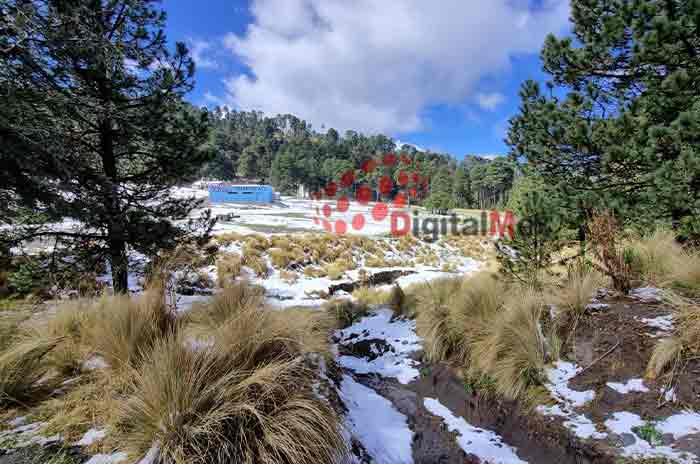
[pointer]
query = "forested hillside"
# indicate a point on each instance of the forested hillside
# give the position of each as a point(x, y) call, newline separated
point(287, 152)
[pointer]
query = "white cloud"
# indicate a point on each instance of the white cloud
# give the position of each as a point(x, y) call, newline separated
point(489, 101)
point(375, 66)
point(198, 50)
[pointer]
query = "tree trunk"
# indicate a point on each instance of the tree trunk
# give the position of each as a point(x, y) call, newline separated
point(119, 263)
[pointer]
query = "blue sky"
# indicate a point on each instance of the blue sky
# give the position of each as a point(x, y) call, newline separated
point(444, 78)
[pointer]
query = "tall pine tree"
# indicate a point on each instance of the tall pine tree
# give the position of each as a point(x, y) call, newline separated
point(624, 130)
point(93, 126)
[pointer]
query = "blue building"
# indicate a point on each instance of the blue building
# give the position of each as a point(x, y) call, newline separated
point(223, 193)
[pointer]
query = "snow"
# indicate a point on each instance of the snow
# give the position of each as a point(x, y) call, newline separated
point(596, 306)
point(94, 363)
point(485, 444)
point(107, 458)
point(568, 399)
point(151, 455)
point(632, 385)
point(623, 423)
point(663, 323)
point(399, 334)
point(91, 436)
point(382, 430)
point(681, 424)
point(558, 385)
point(647, 294)
point(670, 395)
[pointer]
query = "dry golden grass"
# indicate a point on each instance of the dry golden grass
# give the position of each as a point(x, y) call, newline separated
point(228, 238)
point(376, 261)
point(312, 271)
point(281, 258)
point(452, 311)
point(663, 262)
point(513, 349)
point(573, 294)
point(671, 352)
point(344, 311)
point(236, 298)
point(334, 271)
point(365, 296)
point(228, 268)
point(24, 354)
point(70, 324)
point(255, 261)
point(90, 401)
point(125, 328)
point(289, 276)
point(201, 406)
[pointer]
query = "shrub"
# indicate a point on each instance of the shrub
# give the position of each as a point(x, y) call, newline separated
point(203, 406)
point(28, 277)
point(125, 328)
point(613, 259)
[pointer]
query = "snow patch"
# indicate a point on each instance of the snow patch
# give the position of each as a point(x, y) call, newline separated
point(663, 323)
point(399, 334)
point(569, 399)
point(91, 436)
point(623, 423)
point(647, 294)
point(107, 458)
point(681, 424)
point(485, 444)
point(381, 429)
point(632, 385)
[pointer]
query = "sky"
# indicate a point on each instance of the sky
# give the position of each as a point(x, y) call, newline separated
point(440, 75)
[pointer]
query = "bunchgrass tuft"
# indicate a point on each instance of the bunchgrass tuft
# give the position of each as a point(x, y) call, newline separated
point(248, 397)
point(126, 327)
point(23, 370)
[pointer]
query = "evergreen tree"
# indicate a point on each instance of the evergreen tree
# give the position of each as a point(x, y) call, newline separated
point(93, 126)
point(624, 129)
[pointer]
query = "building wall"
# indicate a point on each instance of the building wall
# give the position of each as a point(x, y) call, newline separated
point(223, 193)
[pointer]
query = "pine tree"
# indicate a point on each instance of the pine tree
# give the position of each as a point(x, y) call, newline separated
point(624, 129)
point(93, 126)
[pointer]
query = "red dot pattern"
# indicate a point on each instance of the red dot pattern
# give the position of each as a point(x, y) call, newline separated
point(364, 193)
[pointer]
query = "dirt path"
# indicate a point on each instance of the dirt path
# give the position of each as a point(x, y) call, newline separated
point(447, 424)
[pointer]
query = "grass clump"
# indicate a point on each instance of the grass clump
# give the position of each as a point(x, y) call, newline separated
point(662, 261)
point(513, 349)
point(289, 276)
point(366, 296)
point(247, 397)
point(671, 353)
point(234, 299)
point(125, 328)
point(345, 312)
point(282, 258)
point(255, 261)
point(23, 368)
point(649, 433)
point(452, 311)
point(228, 268)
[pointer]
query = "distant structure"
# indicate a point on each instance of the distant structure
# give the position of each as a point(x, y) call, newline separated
point(233, 193)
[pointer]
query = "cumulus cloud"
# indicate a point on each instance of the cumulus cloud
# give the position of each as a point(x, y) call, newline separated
point(375, 66)
point(489, 101)
point(199, 52)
